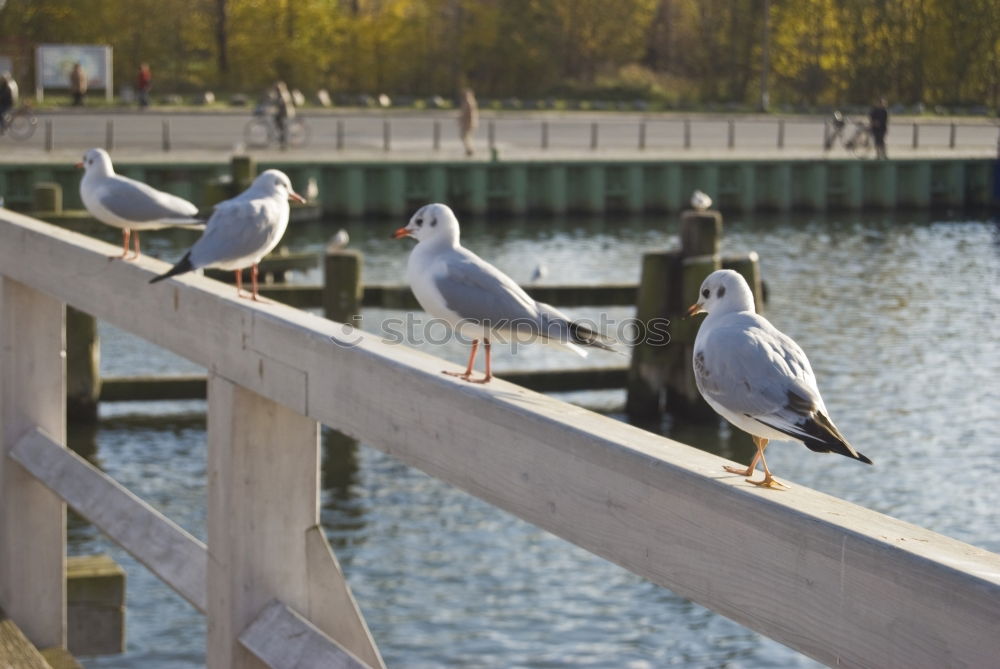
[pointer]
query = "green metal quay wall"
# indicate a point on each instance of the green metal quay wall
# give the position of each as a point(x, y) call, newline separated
point(396, 188)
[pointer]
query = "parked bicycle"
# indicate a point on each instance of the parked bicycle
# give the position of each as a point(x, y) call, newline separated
point(19, 123)
point(262, 130)
point(860, 143)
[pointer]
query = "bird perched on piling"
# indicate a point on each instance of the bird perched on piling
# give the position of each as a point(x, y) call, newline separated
point(475, 298)
point(756, 377)
point(129, 204)
point(242, 230)
point(700, 201)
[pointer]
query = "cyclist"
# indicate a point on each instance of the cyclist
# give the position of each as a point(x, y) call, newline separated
point(284, 111)
point(8, 98)
point(836, 130)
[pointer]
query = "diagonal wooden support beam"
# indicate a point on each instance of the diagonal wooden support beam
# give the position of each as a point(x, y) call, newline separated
point(283, 639)
point(166, 549)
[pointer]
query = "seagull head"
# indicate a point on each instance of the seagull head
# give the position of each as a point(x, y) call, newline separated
point(723, 291)
point(432, 221)
point(96, 161)
point(275, 183)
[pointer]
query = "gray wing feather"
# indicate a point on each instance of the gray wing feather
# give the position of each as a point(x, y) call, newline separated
point(752, 370)
point(135, 201)
point(237, 230)
point(479, 292)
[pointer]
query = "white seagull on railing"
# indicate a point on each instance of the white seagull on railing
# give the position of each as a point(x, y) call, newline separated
point(756, 377)
point(475, 298)
point(242, 230)
point(129, 204)
point(700, 201)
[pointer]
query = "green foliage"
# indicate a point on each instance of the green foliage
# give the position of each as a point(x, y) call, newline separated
point(666, 52)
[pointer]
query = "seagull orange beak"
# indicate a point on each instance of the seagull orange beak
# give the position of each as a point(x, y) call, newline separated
point(79, 165)
point(292, 195)
point(399, 234)
point(694, 309)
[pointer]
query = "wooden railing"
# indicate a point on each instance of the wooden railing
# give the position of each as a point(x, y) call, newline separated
point(842, 584)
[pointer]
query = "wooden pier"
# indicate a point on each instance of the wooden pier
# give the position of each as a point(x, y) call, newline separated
point(840, 583)
point(587, 185)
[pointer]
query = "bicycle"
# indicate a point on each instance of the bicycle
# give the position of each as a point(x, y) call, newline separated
point(20, 123)
point(262, 130)
point(861, 142)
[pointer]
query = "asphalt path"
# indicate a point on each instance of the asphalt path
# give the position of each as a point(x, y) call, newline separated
point(429, 134)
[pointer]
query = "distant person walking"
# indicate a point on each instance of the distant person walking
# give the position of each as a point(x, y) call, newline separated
point(78, 84)
point(878, 122)
point(8, 98)
point(468, 119)
point(143, 84)
point(284, 111)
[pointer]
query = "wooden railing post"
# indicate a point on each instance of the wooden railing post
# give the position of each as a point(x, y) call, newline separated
point(264, 540)
point(32, 518)
point(342, 288)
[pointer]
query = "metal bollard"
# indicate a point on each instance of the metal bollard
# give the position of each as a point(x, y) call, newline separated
point(166, 135)
point(386, 136)
point(916, 135)
point(340, 134)
point(951, 136)
point(48, 135)
point(687, 133)
point(545, 134)
point(593, 136)
point(437, 135)
point(731, 134)
point(781, 133)
point(642, 135)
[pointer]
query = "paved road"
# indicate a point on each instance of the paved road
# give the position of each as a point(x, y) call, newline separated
point(531, 134)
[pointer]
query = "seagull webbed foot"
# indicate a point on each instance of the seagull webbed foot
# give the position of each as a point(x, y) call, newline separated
point(769, 482)
point(738, 470)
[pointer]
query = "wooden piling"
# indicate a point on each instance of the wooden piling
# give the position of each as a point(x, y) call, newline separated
point(47, 197)
point(95, 599)
point(650, 358)
point(661, 375)
point(83, 366)
point(700, 232)
point(243, 170)
point(342, 289)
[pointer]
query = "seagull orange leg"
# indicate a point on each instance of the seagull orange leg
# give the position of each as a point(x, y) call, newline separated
point(125, 236)
point(135, 245)
point(253, 281)
point(768, 481)
point(489, 374)
point(750, 468)
point(468, 369)
point(239, 283)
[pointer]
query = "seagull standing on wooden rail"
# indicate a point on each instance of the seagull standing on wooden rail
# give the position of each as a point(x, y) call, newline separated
point(242, 230)
point(756, 377)
point(129, 204)
point(475, 298)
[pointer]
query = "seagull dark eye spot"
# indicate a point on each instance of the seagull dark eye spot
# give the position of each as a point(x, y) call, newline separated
point(720, 292)
point(705, 293)
point(434, 222)
point(419, 222)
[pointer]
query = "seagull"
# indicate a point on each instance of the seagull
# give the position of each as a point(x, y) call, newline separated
point(339, 241)
point(475, 298)
point(129, 204)
point(242, 230)
point(700, 201)
point(758, 378)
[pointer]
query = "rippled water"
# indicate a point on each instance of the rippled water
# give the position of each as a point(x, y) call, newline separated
point(898, 313)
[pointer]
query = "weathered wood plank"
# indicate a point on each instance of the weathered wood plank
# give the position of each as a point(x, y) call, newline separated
point(840, 583)
point(16, 652)
point(32, 518)
point(263, 504)
point(167, 550)
point(283, 639)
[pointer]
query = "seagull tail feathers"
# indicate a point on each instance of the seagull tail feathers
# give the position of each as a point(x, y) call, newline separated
point(584, 336)
point(180, 268)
